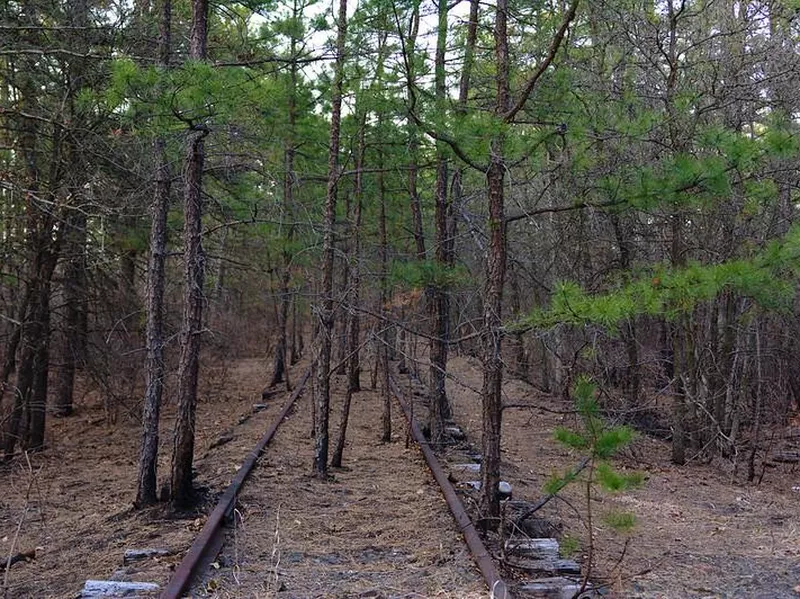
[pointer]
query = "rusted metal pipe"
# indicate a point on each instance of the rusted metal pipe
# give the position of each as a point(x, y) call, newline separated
point(208, 543)
point(484, 561)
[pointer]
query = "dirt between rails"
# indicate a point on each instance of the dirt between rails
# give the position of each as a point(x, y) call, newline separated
point(380, 528)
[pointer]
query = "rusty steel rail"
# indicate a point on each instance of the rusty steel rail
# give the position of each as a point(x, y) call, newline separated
point(207, 544)
point(484, 561)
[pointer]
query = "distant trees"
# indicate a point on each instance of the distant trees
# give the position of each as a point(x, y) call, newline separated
point(45, 131)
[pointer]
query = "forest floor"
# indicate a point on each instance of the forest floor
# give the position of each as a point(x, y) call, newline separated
point(379, 528)
point(699, 533)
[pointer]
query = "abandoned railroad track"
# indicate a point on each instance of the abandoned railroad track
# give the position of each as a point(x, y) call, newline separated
point(290, 535)
point(378, 528)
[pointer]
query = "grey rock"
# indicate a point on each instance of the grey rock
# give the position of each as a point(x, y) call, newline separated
point(455, 432)
point(467, 467)
point(505, 489)
point(112, 588)
point(552, 588)
point(558, 566)
point(538, 548)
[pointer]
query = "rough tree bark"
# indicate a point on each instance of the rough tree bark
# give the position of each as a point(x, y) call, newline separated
point(73, 345)
point(194, 274)
point(326, 314)
point(439, 304)
point(384, 341)
point(353, 322)
point(491, 335)
point(146, 484)
point(413, 137)
point(27, 419)
point(280, 364)
point(491, 332)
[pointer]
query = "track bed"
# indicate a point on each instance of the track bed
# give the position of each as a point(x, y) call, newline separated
point(379, 528)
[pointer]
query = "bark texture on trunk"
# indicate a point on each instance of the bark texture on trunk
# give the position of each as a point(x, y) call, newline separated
point(74, 342)
point(280, 364)
point(491, 334)
point(26, 421)
point(439, 297)
point(146, 484)
point(413, 137)
point(384, 338)
point(326, 314)
point(353, 321)
point(194, 276)
point(37, 406)
point(193, 297)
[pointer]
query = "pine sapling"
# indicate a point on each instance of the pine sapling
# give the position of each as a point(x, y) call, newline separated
point(598, 441)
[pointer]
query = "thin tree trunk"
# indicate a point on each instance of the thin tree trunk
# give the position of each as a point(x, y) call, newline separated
point(35, 359)
point(342, 318)
point(24, 379)
point(385, 341)
point(37, 406)
point(439, 293)
point(154, 362)
point(74, 299)
point(10, 360)
point(521, 365)
point(679, 337)
point(413, 138)
point(28, 335)
point(633, 374)
point(759, 403)
point(280, 366)
point(354, 321)
point(28, 412)
point(321, 435)
point(491, 335)
point(296, 347)
point(194, 274)
point(353, 328)
point(74, 339)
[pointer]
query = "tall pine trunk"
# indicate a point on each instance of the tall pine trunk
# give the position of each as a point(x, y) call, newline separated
point(74, 339)
point(353, 321)
point(439, 293)
point(280, 369)
point(154, 303)
point(384, 338)
point(194, 274)
point(491, 334)
point(326, 315)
